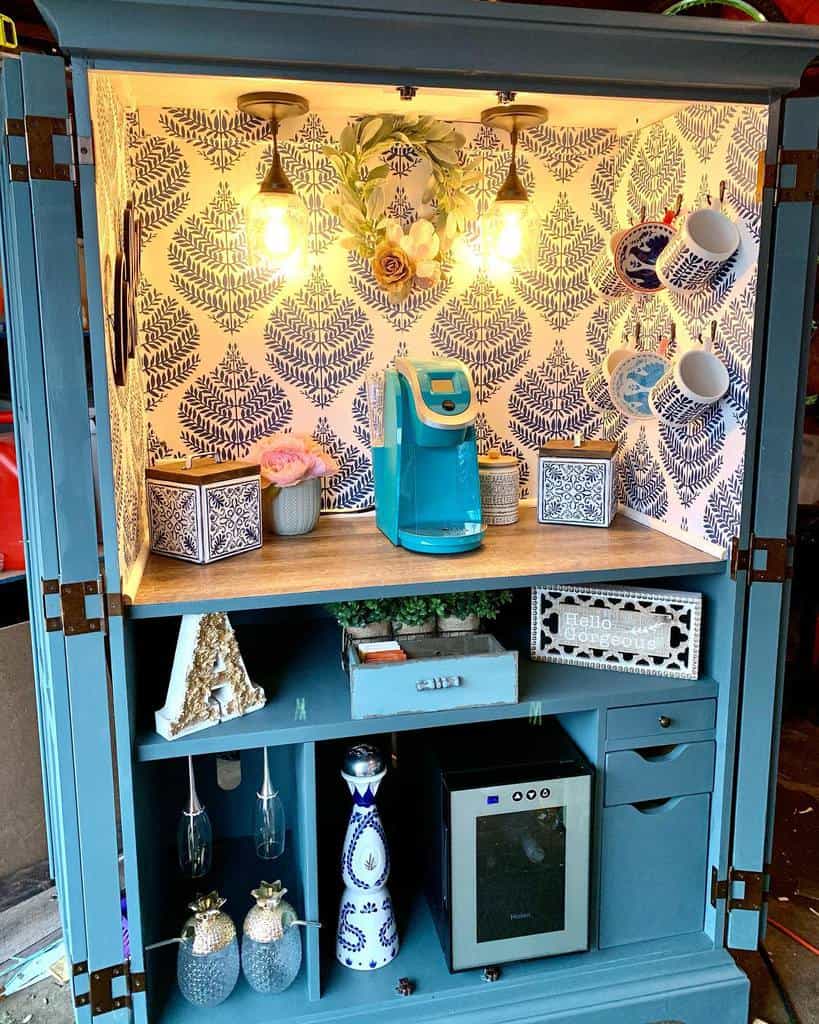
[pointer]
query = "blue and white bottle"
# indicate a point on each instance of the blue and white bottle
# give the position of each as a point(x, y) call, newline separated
point(207, 966)
point(271, 942)
point(367, 936)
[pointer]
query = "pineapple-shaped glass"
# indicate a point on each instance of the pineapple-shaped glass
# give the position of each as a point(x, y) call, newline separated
point(271, 943)
point(207, 967)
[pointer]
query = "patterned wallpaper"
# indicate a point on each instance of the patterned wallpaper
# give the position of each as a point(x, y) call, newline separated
point(127, 404)
point(229, 356)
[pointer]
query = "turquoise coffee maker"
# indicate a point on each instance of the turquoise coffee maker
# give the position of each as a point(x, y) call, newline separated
point(425, 462)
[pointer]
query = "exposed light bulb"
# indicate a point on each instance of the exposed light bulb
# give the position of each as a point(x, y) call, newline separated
point(509, 238)
point(277, 233)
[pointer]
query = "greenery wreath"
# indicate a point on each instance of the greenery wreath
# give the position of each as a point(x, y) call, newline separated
point(401, 261)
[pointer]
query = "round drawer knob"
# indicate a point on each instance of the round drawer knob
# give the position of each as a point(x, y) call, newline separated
point(664, 721)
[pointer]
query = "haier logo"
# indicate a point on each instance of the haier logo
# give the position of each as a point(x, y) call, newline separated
point(522, 916)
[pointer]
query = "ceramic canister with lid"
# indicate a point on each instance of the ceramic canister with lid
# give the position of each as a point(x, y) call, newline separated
point(500, 488)
point(576, 482)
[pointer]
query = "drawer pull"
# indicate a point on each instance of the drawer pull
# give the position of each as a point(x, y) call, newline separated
point(664, 721)
point(438, 683)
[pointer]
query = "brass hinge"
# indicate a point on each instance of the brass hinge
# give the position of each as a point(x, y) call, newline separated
point(100, 995)
point(73, 619)
point(755, 895)
point(798, 183)
point(39, 133)
point(778, 567)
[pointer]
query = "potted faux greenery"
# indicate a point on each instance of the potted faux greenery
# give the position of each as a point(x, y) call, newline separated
point(463, 612)
point(363, 619)
point(413, 616)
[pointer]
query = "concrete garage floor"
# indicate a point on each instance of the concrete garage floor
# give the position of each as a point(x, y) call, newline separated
point(794, 903)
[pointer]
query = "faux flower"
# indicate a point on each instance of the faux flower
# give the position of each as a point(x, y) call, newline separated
point(406, 261)
point(288, 459)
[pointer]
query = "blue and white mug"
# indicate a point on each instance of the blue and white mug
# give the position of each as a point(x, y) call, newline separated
point(692, 259)
point(684, 392)
point(603, 276)
point(596, 387)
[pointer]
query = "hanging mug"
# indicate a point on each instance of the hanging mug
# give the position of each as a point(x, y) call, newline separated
point(603, 277)
point(596, 388)
point(696, 380)
point(706, 241)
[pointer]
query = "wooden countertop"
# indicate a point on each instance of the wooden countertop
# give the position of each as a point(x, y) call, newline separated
point(348, 558)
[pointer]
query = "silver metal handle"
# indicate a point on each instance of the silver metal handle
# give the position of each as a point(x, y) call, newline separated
point(438, 683)
point(664, 721)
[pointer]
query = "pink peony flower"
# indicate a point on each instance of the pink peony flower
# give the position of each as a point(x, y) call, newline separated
point(287, 459)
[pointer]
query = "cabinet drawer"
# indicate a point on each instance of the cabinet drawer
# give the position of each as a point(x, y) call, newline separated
point(653, 879)
point(661, 720)
point(442, 673)
point(655, 773)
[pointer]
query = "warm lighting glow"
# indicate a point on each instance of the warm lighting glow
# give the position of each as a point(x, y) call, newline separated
point(277, 233)
point(509, 237)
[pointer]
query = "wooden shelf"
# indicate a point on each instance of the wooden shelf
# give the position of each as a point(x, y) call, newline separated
point(348, 558)
point(308, 698)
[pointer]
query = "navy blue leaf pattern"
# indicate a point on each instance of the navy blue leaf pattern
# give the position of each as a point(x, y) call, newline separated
point(597, 335)
point(361, 416)
point(401, 208)
point(699, 306)
point(549, 402)
point(351, 489)
point(223, 412)
point(161, 177)
point(657, 173)
point(702, 124)
point(494, 157)
point(221, 136)
point(602, 188)
point(565, 150)
point(692, 455)
point(741, 159)
point(733, 345)
point(488, 332)
point(643, 482)
point(318, 341)
point(401, 159)
point(724, 509)
point(159, 449)
point(170, 344)
point(401, 316)
point(208, 257)
point(559, 288)
point(487, 439)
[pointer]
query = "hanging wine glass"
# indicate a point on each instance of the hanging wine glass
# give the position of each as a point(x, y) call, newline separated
point(194, 836)
point(268, 821)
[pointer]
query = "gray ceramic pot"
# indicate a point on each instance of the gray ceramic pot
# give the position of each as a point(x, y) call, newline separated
point(290, 511)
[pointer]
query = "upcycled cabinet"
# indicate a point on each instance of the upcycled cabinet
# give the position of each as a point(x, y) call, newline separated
point(685, 770)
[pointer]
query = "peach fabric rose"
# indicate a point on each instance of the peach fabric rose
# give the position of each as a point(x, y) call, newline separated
point(287, 459)
point(393, 270)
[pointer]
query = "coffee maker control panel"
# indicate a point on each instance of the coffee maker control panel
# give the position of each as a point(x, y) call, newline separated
point(441, 390)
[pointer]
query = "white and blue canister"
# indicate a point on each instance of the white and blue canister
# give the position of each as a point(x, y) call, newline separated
point(576, 482)
point(500, 488)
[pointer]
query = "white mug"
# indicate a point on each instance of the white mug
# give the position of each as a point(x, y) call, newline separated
point(694, 257)
point(695, 381)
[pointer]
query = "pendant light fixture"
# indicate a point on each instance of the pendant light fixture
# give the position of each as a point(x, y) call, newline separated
point(275, 217)
point(510, 229)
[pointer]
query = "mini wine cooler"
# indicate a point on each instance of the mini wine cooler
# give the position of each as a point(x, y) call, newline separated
point(508, 870)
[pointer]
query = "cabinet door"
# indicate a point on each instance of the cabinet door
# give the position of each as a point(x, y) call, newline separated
point(43, 299)
point(783, 329)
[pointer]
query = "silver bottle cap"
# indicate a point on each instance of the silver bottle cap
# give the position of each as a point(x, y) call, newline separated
point(363, 761)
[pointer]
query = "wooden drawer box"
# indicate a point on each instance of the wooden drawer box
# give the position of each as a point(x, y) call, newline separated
point(661, 720)
point(653, 774)
point(654, 869)
point(442, 673)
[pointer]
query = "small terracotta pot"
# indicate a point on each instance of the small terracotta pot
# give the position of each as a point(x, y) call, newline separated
point(452, 624)
point(425, 628)
point(371, 631)
point(291, 511)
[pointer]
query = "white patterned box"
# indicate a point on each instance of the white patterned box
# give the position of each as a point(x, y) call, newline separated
point(204, 510)
point(651, 632)
point(576, 483)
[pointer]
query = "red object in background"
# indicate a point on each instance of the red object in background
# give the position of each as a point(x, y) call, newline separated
point(11, 524)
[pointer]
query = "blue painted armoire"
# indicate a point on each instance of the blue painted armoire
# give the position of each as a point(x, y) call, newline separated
point(140, 107)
